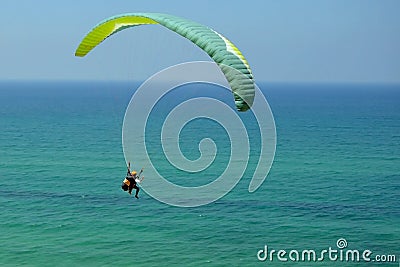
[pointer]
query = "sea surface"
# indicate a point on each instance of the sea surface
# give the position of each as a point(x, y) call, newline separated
point(336, 175)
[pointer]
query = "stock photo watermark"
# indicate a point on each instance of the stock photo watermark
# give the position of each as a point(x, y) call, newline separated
point(339, 253)
point(135, 140)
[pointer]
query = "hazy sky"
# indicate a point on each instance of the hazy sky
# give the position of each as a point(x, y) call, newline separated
point(284, 41)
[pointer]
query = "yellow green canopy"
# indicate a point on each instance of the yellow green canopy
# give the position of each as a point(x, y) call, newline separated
point(229, 58)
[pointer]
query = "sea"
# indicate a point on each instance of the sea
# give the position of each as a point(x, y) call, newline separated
point(333, 188)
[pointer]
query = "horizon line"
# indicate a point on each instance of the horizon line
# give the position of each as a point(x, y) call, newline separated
point(394, 83)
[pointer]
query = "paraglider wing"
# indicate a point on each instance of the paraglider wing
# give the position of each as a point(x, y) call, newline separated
point(220, 49)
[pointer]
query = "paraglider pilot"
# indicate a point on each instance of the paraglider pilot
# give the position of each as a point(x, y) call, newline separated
point(131, 180)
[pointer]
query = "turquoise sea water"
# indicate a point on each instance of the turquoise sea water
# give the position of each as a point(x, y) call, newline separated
point(336, 175)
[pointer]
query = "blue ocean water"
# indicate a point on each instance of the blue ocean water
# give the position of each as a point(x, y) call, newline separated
point(335, 175)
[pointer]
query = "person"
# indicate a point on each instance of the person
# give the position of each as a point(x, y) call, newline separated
point(131, 180)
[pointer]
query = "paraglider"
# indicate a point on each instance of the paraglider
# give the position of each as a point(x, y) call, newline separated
point(222, 51)
point(228, 57)
point(132, 180)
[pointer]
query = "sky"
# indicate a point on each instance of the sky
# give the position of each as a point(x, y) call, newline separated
point(283, 41)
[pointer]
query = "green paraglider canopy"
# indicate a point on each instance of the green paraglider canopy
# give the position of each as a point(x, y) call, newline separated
point(228, 57)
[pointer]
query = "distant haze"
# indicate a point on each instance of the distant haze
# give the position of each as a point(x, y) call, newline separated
point(284, 41)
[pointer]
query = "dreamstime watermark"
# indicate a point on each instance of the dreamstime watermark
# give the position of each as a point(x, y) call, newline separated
point(135, 139)
point(339, 253)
